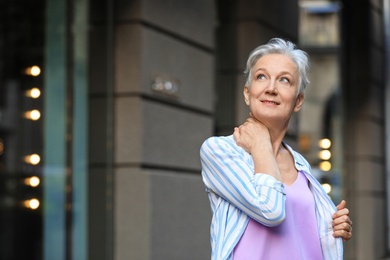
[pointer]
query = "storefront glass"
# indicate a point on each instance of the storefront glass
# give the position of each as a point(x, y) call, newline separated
point(43, 129)
point(21, 128)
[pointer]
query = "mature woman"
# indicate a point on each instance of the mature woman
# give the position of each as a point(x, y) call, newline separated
point(266, 204)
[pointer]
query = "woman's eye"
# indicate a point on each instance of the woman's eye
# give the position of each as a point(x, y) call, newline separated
point(261, 76)
point(285, 80)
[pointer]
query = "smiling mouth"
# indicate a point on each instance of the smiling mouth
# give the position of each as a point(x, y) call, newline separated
point(270, 102)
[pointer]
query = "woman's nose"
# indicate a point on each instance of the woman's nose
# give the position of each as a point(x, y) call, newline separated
point(271, 87)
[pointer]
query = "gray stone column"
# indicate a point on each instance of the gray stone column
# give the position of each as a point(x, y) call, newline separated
point(163, 58)
point(363, 91)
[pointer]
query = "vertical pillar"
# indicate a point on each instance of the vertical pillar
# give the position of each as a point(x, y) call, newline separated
point(55, 165)
point(163, 101)
point(100, 132)
point(162, 108)
point(65, 128)
point(80, 131)
point(386, 13)
point(363, 92)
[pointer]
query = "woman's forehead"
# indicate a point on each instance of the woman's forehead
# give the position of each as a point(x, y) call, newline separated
point(275, 61)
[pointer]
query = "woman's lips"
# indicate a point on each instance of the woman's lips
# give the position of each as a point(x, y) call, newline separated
point(270, 102)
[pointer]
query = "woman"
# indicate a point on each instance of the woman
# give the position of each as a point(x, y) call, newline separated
point(265, 202)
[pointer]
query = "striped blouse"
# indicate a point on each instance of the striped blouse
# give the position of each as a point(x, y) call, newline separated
point(237, 194)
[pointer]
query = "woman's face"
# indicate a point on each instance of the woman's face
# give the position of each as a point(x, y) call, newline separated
point(273, 92)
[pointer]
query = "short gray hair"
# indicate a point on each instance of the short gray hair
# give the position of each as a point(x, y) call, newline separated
point(280, 46)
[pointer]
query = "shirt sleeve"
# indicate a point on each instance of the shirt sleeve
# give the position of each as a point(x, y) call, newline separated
point(226, 173)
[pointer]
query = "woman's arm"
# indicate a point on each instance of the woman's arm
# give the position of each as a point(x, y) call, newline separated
point(228, 173)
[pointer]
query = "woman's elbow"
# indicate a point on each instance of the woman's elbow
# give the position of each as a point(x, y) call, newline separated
point(276, 218)
point(273, 216)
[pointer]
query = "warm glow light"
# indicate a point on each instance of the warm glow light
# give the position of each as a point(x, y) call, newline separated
point(324, 154)
point(33, 93)
point(32, 204)
point(325, 166)
point(33, 71)
point(327, 187)
point(304, 142)
point(32, 181)
point(32, 114)
point(325, 143)
point(33, 159)
point(1, 146)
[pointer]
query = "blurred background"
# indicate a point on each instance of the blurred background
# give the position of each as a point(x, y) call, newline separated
point(104, 105)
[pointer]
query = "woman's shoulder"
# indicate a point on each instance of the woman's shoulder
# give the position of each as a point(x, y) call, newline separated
point(220, 139)
point(214, 143)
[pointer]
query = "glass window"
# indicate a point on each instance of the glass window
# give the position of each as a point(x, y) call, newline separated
point(43, 129)
point(21, 140)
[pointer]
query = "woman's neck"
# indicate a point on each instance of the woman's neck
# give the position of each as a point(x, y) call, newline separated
point(276, 142)
point(277, 135)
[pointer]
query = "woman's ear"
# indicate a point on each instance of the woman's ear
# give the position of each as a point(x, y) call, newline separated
point(299, 102)
point(246, 95)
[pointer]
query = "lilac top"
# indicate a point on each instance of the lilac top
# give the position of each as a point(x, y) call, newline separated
point(296, 238)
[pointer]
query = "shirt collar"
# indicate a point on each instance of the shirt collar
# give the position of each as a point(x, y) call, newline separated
point(299, 162)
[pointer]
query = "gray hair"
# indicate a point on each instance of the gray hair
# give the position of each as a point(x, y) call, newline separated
point(280, 46)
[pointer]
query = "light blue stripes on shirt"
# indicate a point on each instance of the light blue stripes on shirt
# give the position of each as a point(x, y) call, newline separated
point(236, 193)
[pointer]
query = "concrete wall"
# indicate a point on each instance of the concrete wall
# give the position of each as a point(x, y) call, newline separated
point(154, 202)
point(363, 90)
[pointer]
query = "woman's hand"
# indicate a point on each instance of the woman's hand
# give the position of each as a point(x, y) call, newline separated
point(251, 135)
point(255, 139)
point(342, 224)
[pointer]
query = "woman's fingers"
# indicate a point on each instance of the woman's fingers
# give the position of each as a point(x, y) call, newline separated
point(342, 219)
point(344, 234)
point(342, 205)
point(342, 224)
point(343, 230)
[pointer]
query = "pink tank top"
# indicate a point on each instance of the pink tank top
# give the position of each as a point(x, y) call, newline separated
point(296, 238)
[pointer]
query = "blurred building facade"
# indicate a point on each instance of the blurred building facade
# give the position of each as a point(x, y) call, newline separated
point(130, 89)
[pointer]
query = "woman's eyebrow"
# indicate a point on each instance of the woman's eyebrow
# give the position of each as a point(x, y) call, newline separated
point(280, 73)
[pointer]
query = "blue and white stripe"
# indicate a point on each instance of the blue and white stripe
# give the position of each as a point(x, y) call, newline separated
point(236, 193)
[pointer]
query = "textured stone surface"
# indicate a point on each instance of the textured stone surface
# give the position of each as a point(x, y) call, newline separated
point(98, 130)
point(99, 221)
point(153, 133)
point(369, 220)
point(181, 217)
point(128, 133)
point(128, 58)
point(369, 176)
point(144, 55)
point(160, 215)
point(132, 219)
point(269, 13)
point(367, 142)
point(98, 60)
point(193, 20)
